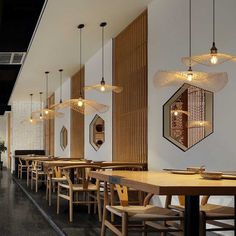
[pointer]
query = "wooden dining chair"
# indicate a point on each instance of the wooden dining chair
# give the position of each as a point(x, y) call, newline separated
point(139, 214)
point(211, 214)
point(137, 196)
point(67, 188)
point(54, 176)
point(22, 167)
point(37, 175)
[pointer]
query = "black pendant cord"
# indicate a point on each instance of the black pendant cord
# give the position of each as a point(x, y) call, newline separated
point(190, 34)
point(60, 85)
point(31, 101)
point(41, 107)
point(47, 72)
point(80, 27)
point(213, 21)
point(103, 24)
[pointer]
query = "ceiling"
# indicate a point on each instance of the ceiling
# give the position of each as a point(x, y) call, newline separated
point(56, 42)
point(17, 23)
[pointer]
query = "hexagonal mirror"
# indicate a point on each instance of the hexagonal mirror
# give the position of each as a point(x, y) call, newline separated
point(97, 132)
point(188, 116)
point(63, 138)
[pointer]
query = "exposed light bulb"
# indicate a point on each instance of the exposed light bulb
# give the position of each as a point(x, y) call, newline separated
point(201, 123)
point(40, 117)
point(46, 112)
point(214, 59)
point(190, 76)
point(80, 103)
point(102, 88)
point(176, 113)
point(31, 120)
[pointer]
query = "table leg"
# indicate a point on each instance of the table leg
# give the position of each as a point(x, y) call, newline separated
point(28, 168)
point(191, 219)
point(235, 215)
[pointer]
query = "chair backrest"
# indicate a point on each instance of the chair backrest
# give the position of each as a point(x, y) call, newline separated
point(82, 172)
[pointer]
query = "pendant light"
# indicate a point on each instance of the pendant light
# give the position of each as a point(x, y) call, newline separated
point(47, 113)
point(212, 58)
point(209, 81)
point(31, 120)
point(103, 87)
point(61, 104)
point(82, 105)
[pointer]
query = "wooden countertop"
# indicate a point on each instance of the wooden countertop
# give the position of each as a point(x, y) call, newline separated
point(164, 183)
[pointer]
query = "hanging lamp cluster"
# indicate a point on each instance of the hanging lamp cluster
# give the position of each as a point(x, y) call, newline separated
point(103, 86)
point(214, 81)
point(46, 113)
point(80, 104)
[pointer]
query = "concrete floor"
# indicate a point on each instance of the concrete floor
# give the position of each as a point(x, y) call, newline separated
point(18, 215)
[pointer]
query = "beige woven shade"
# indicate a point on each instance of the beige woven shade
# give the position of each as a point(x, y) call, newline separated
point(104, 88)
point(83, 106)
point(209, 81)
point(47, 114)
point(208, 59)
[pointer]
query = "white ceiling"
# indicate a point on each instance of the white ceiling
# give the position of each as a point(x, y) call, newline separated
point(56, 42)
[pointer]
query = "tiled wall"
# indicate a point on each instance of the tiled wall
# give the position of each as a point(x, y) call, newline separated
point(25, 136)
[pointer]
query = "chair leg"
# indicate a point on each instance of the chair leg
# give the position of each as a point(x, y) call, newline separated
point(47, 187)
point(71, 205)
point(50, 192)
point(21, 173)
point(32, 179)
point(58, 199)
point(89, 204)
point(112, 201)
point(99, 206)
point(104, 218)
point(124, 224)
point(36, 183)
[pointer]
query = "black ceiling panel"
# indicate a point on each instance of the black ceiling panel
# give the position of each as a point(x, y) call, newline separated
point(18, 19)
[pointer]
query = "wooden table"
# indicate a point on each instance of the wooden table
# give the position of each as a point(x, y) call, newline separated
point(163, 183)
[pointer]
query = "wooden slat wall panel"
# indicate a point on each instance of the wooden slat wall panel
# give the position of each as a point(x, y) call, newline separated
point(77, 119)
point(50, 130)
point(130, 106)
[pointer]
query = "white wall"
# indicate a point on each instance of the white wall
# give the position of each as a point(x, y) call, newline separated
point(25, 135)
point(3, 136)
point(93, 75)
point(62, 121)
point(168, 42)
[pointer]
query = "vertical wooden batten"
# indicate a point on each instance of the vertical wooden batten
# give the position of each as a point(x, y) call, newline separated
point(130, 106)
point(77, 119)
point(50, 130)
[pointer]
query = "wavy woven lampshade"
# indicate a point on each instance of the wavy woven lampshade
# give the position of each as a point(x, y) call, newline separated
point(209, 81)
point(31, 120)
point(46, 113)
point(81, 105)
point(213, 57)
point(103, 87)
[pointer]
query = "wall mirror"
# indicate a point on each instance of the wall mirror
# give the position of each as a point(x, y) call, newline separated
point(63, 138)
point(97, 132)
point(188, 116)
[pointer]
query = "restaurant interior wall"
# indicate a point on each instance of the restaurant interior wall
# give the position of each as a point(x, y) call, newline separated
point(25, 136)
point(62, 121)
point(93, 75)
point(3, 136)
point(168, 42)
